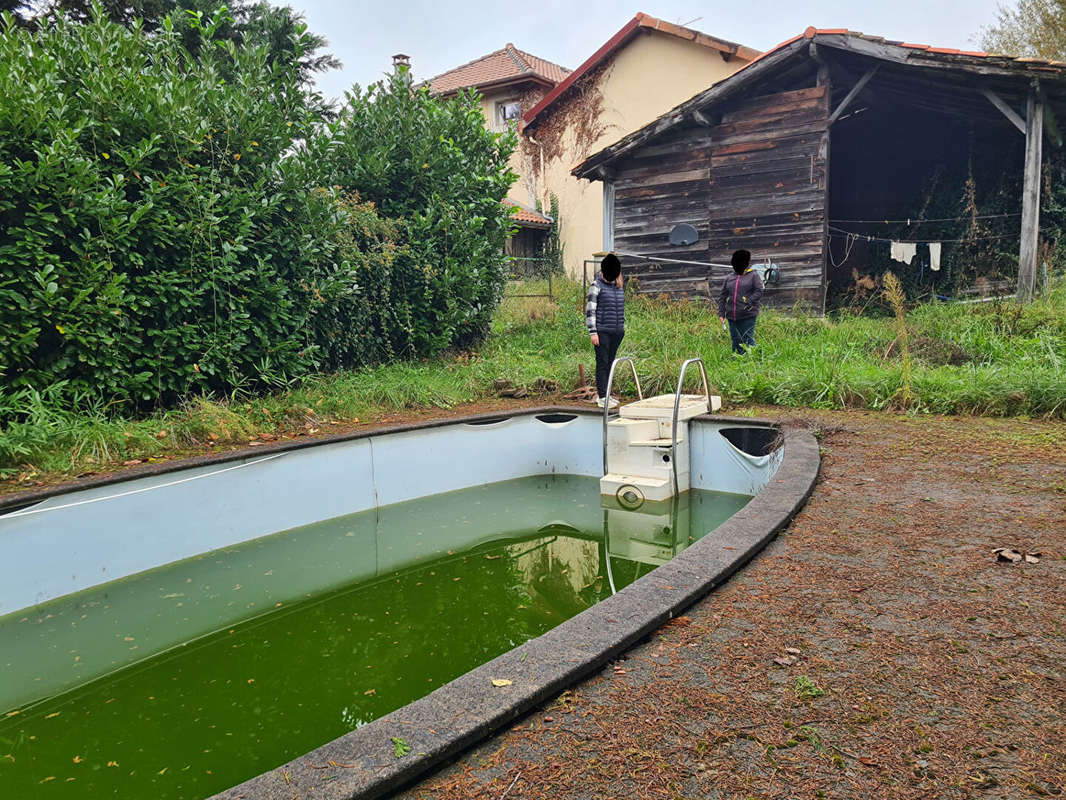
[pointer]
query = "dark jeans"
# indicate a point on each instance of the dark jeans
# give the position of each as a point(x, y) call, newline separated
point(742, 332)
point(605, 355)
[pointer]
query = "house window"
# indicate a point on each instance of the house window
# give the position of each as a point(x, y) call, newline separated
point(507, 113)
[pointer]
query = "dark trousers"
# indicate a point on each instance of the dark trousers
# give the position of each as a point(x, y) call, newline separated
point(605, 355)
point(742, 332)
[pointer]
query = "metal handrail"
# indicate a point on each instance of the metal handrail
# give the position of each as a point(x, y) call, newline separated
point(607, 399)
point(677, 405)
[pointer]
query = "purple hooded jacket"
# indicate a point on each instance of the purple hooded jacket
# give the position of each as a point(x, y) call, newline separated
point(740, 296)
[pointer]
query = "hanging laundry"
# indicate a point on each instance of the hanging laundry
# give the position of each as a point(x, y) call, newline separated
point(934, 256)
point(903, 251)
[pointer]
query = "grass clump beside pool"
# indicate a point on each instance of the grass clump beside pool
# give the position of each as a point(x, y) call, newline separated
point(995, 358)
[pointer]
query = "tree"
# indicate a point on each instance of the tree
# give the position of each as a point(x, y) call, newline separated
point(1033, 28)
point(246, 23)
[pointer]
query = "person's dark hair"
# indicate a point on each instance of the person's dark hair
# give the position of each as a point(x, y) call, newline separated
point(741, 260)
point(611, 267)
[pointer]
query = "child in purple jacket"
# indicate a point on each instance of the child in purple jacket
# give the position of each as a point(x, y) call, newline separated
point(738, 302)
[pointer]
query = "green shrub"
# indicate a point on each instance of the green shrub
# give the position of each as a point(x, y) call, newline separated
point(136, 185)
point(174, 225)
point(431, 166)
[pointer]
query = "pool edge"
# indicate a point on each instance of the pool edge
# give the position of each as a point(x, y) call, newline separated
point(15, 500)
point(364, 764)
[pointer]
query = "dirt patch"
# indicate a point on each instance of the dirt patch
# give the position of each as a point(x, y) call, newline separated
point(933, 352)
point(877, 649)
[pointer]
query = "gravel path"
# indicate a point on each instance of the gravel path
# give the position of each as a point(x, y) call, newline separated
point(876, 649)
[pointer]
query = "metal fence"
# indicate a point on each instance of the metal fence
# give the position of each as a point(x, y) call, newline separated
point(524, 270)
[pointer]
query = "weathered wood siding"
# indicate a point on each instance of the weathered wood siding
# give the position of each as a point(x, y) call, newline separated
point(664, 184)
point(757, 180)
point(769, 190)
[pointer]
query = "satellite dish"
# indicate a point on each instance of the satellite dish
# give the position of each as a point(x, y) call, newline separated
point(683, 234)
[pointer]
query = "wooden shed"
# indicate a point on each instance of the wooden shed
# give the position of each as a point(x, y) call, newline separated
point(831, 125)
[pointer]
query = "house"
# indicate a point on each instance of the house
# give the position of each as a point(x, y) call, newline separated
point(646, 68)
point(807, 154)
point(510, 82)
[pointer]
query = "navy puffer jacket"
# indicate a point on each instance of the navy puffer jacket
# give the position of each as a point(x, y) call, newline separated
point(605, 310)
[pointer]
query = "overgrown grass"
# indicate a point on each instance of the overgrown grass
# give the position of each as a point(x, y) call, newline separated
point(1013, 364)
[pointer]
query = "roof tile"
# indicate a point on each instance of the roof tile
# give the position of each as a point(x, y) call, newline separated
point(506, 63)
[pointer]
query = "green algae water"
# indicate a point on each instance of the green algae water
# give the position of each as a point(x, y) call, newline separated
point(188, 679)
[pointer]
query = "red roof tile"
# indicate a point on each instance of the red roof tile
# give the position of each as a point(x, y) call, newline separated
point(527, 217)
point(506, 64)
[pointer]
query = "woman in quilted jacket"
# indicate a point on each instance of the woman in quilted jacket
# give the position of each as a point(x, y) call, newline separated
point(738, 302)
point(605, 318)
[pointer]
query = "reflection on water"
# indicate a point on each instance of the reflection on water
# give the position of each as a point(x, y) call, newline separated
point(184, 680)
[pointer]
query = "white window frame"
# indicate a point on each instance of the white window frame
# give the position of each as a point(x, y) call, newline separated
point(500, 121)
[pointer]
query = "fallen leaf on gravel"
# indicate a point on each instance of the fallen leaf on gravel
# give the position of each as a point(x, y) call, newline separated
point(786, 661)
point(793, 650)
point(501, 682)
point(132, 461)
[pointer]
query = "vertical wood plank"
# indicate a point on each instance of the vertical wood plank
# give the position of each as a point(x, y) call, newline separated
point(1030, 235)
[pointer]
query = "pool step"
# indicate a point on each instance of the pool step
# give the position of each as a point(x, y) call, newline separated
point(643, 488)
point(645, 448)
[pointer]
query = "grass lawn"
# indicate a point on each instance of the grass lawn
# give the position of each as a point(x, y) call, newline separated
point(993, 358)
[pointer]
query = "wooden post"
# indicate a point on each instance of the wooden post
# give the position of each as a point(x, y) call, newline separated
point(1027, 255)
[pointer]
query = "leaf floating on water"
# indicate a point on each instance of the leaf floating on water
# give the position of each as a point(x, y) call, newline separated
point(162, 770)
point(53, 714)
point(78, 759)
point(501, 682)
point(12, 713)
point(490, 558)
point(112, 763)
point(370, 692)
point(400, 747)
point(49, 778)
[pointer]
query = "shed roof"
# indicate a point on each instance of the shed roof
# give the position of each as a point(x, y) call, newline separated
point(641, 22)
point(968, 70)
point(506, 65)
point(527, 217)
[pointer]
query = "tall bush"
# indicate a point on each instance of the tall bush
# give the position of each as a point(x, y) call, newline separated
point(172, 224)
point(432, 167)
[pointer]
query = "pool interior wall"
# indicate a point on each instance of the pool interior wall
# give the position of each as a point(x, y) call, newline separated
point(75, 541)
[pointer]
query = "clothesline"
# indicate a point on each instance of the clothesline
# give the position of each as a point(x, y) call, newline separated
point(913, 221)
point(659, 259)
point(840, 232)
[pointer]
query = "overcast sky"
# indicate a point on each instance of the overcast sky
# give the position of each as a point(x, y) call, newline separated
point(439, 35)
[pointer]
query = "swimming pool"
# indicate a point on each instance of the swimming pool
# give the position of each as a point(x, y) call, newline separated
point(180, 570)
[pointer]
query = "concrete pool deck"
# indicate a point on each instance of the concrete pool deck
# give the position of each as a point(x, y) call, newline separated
point(375, 759)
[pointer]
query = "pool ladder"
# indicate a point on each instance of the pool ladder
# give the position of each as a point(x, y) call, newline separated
point(653, 409)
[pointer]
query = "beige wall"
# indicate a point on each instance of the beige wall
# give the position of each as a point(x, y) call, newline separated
point(650, 75)
point(522, 190)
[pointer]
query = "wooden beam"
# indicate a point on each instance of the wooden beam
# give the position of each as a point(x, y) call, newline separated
point(1030, 239)
point(858, 87)
point(1006, 110)
point(1051, 124)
